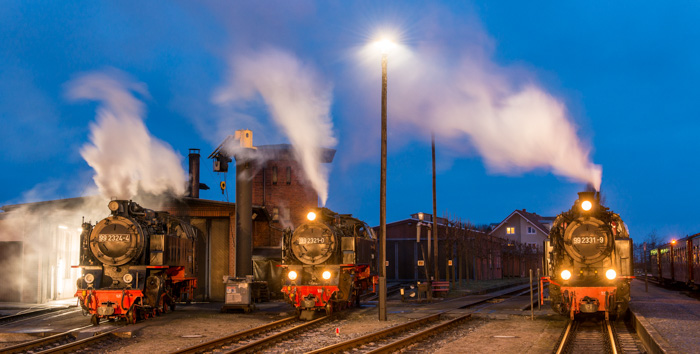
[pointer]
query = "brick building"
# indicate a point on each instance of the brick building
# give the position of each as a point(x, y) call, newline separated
point(473, 253)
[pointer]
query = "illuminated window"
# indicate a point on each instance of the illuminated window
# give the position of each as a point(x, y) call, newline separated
point(510, 230)
point(289, 175)
point(530, 230)
point(275, 214)
point(274, 175)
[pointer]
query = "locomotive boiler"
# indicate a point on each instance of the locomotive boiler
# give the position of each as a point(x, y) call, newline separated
point(135, 263)
point(328, 263)
point(588, 260)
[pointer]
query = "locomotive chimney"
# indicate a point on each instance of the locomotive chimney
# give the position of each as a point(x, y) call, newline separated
point(194, 173)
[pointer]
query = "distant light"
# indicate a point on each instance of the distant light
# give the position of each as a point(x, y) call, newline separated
point(586, 205)
point(311, 216)
point(63, 227)
point(673, 242)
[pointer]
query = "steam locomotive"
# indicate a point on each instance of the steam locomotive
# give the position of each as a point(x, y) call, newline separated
point(328, 263)
point(135, 263)
point(588, 260)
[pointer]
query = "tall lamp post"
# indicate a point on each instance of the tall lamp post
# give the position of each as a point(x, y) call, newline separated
point(385, 45)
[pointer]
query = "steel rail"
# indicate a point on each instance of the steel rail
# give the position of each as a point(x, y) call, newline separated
point(275, 337)
point(23, 347)
point(565, 338)
point(613, 338)
point(70, 347)
point(377, 335)
point(219, 342)
point(395, 346)
point(26, 346)
point(5, 320)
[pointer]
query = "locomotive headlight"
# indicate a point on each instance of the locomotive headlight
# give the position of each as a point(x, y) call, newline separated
point(128, 278)
point(311, 216)
point(292, 275)
point(89, 278)
point(586, 205)
point(113, 205)
point(326, 275)
point(611, 274)
point(565, 274)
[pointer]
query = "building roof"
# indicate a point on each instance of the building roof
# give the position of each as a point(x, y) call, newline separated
point(532, 218)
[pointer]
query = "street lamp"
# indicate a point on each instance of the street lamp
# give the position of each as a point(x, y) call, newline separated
point(385, 45)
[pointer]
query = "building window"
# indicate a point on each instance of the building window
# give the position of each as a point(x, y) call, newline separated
point(285, 214)
point(275, 214)
point(530, 230)
point(289, 175)
point(274, 175)
point(510, 230)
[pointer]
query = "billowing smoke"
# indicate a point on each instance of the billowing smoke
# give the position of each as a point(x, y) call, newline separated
point(127, 160)
point(297, 99)
point(515, 126)
point(458, 91)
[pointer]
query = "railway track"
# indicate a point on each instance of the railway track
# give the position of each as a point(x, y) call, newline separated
point(34, 314)
point(397, 337)
point(256, 338)
point(66, 342)
point(598, 336)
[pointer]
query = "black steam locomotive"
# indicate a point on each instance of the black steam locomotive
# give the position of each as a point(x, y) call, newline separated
point(588, 260)
point(328, 262)
point(135, 263)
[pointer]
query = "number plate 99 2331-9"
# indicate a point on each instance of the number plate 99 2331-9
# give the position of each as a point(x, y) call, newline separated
point(588, 240)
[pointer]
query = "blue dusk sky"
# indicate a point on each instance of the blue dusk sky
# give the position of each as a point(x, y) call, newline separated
point(528, 102)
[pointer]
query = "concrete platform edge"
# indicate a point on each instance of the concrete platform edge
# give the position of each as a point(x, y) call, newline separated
point(651, 339)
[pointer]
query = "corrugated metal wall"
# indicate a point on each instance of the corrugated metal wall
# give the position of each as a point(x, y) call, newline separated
point(219, 255)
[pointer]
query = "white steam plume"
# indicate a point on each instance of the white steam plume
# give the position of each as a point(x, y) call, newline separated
point(297, 99)
point(127, 160)
point(514, 124)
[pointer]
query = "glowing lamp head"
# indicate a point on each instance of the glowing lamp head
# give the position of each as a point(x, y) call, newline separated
point(611, 274)
point(311, 216)
point(673, 242)
point(292, 275)
point(586, 205)
point(565, 274)
point(326, 275)
point(89, 278)
point(385, 45)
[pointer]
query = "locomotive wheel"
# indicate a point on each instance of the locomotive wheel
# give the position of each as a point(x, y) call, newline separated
point(95, 320)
